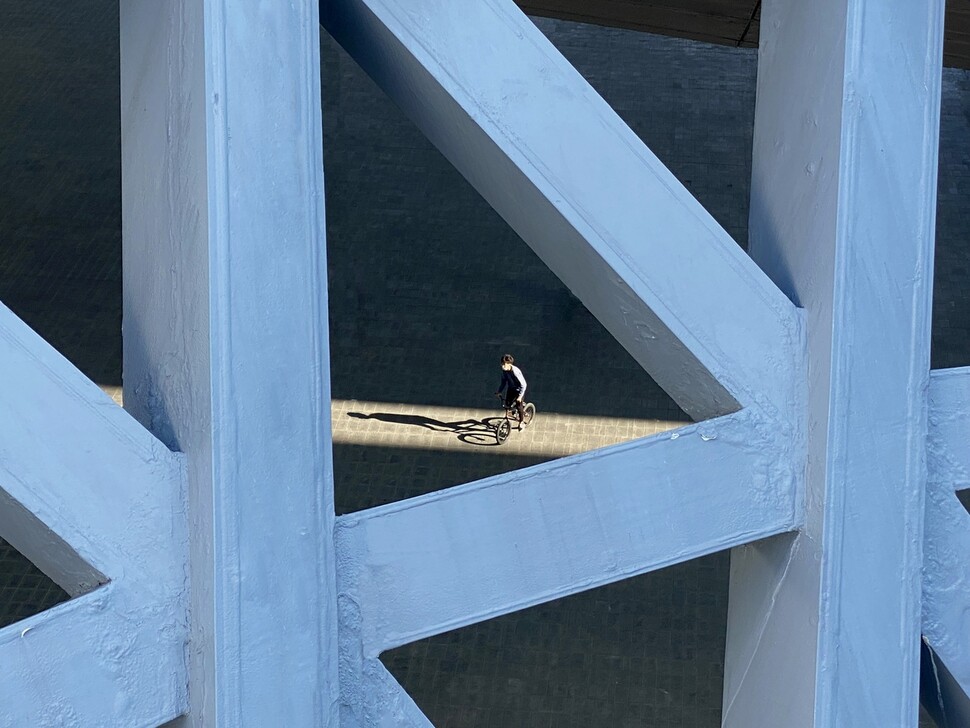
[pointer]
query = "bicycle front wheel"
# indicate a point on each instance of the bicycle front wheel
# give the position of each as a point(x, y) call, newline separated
point(502, 431)
point(530, 414)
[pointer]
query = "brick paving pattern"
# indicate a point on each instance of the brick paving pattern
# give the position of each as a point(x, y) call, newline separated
point(386, 451)
point(428, 286)
point(951, 285)
point(60, 177)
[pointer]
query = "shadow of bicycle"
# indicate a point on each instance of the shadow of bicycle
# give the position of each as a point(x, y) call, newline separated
point(483, 437)
point(480, 433)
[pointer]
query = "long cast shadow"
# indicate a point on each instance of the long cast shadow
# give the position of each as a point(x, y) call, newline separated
point(469, 431)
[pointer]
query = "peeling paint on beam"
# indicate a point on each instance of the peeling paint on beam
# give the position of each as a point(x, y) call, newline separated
point(470, 553)
point(544, 149)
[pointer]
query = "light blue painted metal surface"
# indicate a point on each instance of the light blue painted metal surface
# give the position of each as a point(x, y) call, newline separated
point(226, 338)
point(224, 286)
point(384, 704)
point(946, 558)
point(478, 551)
point(544, 149)
point(115, 656)
point(580, 188)
point(843, 195)
point(91, 497)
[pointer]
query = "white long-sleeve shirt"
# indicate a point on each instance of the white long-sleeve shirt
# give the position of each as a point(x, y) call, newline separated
point(514, 379)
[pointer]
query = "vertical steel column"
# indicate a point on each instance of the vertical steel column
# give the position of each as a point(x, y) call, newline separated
point(824, 627)
point(226, 351)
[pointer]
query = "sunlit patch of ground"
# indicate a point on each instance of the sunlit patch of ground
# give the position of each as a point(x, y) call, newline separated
point(386, 424)
point(113, 392)
point(423, 427)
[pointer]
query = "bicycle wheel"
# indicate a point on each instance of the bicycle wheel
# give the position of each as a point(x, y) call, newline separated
point(502, 431)
point(530, 414)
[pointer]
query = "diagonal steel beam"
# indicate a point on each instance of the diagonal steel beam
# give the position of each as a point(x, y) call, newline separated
point(86, 493)
point(946, 555)
point(571, 178)
point(93, 500)
point(463, 555)
point(110, 657)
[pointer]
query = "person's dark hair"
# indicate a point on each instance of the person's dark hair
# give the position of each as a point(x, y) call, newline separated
point(508, 359)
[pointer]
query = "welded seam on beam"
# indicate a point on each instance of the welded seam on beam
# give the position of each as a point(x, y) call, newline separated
point(29, 345)
point(386, 703)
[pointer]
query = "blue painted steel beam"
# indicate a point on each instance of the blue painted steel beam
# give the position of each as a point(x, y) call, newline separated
point(90, 497)
point(842, 218)
point(380, 702)
point(570, 177)
point(225, 337)
point(949, 427)
point(612, 222)
point(470, 553)
point(113, 657)
point(88, 493)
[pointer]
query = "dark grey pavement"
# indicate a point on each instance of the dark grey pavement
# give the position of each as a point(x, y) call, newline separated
point(427, 287)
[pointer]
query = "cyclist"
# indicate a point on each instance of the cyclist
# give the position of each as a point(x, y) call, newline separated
point(513, 382)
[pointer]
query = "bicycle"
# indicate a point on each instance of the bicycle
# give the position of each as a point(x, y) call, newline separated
point(504, 428)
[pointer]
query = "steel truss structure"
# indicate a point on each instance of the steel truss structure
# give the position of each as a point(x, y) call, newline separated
point(825, 452)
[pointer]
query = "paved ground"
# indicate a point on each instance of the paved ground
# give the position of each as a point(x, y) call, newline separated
point(428, 288)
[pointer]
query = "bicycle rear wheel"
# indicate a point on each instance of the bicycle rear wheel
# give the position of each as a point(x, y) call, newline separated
point(502, 431)
point(530, 414)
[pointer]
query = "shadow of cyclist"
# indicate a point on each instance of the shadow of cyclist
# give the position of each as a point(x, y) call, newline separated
point(421, 421)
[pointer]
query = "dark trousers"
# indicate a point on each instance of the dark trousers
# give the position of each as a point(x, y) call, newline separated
point(510, 399)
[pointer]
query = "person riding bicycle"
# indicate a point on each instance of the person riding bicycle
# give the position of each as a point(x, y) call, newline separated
point(513, 382)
